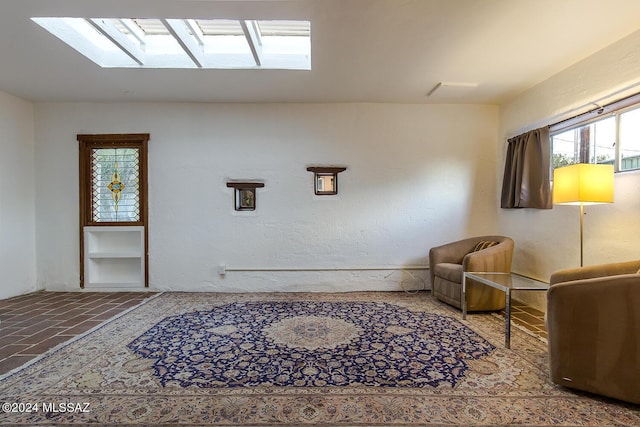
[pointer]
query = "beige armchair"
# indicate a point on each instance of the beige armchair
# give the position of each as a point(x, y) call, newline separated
point(448, 262)
point(593, 322)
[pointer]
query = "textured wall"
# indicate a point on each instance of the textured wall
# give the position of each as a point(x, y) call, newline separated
point(549, 240)
point(17, 225)
point(415, 177)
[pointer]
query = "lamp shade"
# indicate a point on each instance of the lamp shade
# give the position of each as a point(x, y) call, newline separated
point(583, 183)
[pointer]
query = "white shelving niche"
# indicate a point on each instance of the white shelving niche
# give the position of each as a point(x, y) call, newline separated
point(114, 257)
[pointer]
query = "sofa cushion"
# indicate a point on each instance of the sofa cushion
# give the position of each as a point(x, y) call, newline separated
point(484, 244)
point(449, 271)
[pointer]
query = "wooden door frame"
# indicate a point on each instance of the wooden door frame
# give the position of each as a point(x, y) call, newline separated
point(131, 140)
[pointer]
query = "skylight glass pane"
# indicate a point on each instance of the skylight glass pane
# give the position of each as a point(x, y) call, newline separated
point(162, 45)
point(186, 43)
point(225, 44)
point(152, 26)
point(220, 27)
point(285, 45)
point(83, 37)
point(286, 42)
point(284, 28)
point(130, 29)
point(87, 30)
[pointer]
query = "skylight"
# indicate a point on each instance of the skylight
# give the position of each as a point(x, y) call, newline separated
point(186, 43)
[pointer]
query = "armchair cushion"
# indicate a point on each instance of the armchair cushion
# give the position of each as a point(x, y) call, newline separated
point(484, 244)
point(593, 325)
point(449, 271)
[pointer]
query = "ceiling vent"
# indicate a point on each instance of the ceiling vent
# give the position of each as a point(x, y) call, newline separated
point(451, 89)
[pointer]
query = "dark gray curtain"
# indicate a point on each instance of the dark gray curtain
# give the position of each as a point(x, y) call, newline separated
point(526, 172)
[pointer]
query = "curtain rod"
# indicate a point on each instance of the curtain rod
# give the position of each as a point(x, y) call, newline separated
point(599, 110)
point(554, 122)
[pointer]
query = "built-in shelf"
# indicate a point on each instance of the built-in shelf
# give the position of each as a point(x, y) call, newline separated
point(325, 179)
point(245, 194)
point(114, 256)
point(95, 255)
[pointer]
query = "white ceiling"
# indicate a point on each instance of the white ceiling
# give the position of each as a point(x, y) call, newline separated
point(362, 50)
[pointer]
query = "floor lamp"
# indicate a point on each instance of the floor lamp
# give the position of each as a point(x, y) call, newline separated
point(583, 184)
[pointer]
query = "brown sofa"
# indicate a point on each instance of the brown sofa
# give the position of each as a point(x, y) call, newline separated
point(448, 262)
point(593, 322)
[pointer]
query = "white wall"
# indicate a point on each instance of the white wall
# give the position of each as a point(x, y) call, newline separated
point(17, 223)
point(418, 175)
point(548, 240)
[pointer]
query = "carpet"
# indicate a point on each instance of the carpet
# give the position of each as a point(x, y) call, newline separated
point(299, 359)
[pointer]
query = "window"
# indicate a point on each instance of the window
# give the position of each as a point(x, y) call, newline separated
point(112, 178)
point(591, 143)
point(609, 135)
point(186, 43)
point(630, 139)
point(115, 184)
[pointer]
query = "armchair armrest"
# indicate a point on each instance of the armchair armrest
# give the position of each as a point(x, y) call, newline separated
point(452, 252)
point(612, 269)
point(496, 258)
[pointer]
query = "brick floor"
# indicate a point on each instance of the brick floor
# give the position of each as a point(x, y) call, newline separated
point(32, 324)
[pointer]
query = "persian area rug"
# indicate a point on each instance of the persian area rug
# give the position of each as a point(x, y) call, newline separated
point(299, 359)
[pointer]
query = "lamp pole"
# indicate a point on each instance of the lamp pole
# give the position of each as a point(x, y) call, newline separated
point(581, 228)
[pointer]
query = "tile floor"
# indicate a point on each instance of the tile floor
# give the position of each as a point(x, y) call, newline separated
point(34, 323)
point(528, 317)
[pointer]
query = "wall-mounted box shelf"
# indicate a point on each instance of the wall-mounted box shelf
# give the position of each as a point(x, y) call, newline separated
point(245, 194)
point(114, 256)
point(325, 179)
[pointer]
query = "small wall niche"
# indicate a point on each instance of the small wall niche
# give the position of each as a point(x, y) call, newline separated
point(245, 195)
point(325, 179)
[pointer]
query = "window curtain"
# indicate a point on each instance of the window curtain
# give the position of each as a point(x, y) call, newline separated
point(526, 172)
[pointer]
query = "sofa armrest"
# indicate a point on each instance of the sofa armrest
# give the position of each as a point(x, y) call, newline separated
point(594, 335)
point(612, 269)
